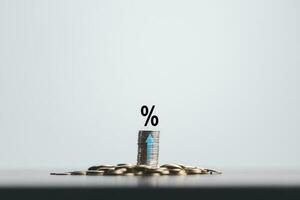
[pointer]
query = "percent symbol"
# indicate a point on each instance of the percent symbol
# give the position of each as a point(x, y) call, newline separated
point(145, 112)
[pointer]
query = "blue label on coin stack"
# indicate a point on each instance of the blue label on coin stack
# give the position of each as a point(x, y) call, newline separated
point(148, 148)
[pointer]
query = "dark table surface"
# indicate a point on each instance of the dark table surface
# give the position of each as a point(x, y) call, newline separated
point(236, 184)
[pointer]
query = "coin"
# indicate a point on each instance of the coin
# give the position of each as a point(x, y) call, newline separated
point(105, 168)
point(165, 172)
point(115, 171)
point(141, 167)
point(153, 174)
point(182, 172)
point(94, 172)
point(125, 165)
point(171, 166)
point(128, 174)
point(60, 173)
point(93, 168)
point(96, 167)
point(194, 171)
point(78, 173)
point(177, 172)
point(140, 173)
point(187, 166)
point(211, 171)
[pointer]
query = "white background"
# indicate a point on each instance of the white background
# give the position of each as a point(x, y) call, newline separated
point(224, 76)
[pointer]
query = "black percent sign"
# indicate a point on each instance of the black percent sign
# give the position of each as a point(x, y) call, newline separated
point(145, 112)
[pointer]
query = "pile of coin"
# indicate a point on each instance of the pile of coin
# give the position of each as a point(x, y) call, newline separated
point(147, 162)
point(148, 148)
point(126, 169)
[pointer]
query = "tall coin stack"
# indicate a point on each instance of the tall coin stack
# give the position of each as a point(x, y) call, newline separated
point(148, 148)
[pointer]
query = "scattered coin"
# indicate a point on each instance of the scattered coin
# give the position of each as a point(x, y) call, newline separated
point(172, 166)
point(60, 173)
point(128, 174)
point(141, 168)
point(193, 171)
point(105, 168)
point(211, 171)
point(93, 168)
point(115, 171)
point(153, 174)
point(187, 166)
point(165, 172)
point(94, 172)
point(78, 173)
point(140, 173)
point(125, 164)
point(127, 169)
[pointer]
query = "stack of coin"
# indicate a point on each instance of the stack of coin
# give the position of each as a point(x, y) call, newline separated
point(148, 148)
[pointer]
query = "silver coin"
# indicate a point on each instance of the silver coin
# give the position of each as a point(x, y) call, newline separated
point(148, 152)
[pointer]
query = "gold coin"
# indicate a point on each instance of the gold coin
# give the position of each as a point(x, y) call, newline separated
point(171, 166)
point(94, 173)
point(60, 173)
point(78, 173)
